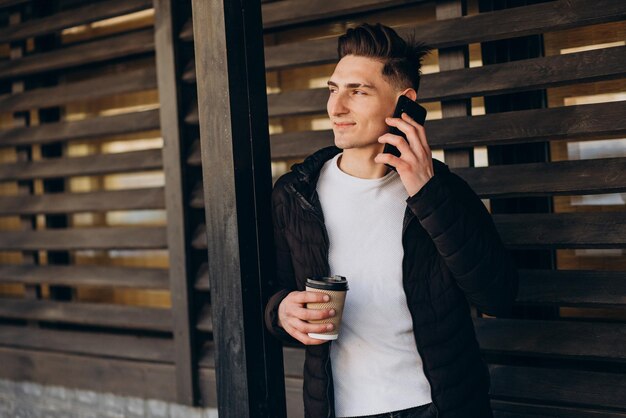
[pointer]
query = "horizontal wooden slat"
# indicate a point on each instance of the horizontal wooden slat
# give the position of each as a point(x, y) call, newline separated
point(569, 387)
point(197, 196)
point(572, 288)
point(282, 13)
point(192, 116)
point(202, 283)
point(9, 3)
point(208, 387)
point(491, 26)
point(525, 126)
point(602, 342)
point(597, 342)
point(83, 129)
point(132, 199)
point(189, 73)
point(193, 157)
point(199, 239)
point(279, 14)
point(84, 238)
point(131, 347)
point(205, 319)
point(186, 32)
point(123, 377)
point(118, 316)
point(603, 175)
point(503, 409)
point(563, 230)
point(83, 166)
point(74, 17)
point(86, 275)
point(524, 75)
point(134, 43)
point(94, 88)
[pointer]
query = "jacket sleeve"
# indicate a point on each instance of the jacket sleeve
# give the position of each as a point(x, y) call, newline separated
point(465, 236)
point(284, 281)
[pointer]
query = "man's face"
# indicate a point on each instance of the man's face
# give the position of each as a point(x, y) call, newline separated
point(359, 101)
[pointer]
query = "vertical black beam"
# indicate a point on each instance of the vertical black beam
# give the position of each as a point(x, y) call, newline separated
point(43, 8)
point(237, 181)
point(166, 27)
point(24, 153)
point(506, 51)
point(455, 58)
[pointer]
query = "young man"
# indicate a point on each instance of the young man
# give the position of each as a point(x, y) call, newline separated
point(415, 244)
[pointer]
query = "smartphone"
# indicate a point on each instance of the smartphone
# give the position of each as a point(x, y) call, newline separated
point(411, 108)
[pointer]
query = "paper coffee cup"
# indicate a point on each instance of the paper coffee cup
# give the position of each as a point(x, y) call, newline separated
point(335, 287)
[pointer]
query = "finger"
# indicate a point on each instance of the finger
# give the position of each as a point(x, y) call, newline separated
point(398, 142)
point(305, 339)
point(392, 160)
point(307, 327)
point(408, 129)
point(313, 314)
point(310, 297)
point(420, 130)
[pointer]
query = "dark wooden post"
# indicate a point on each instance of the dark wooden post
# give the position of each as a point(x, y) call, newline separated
point(24, 153)
point(236, 172)
point(455, 58)
point(507, 50)
point(166, 27)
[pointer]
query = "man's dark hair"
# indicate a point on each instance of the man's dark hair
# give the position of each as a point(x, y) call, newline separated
point(402, 59)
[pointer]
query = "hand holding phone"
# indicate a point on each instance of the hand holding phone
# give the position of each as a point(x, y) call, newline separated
point(411, 108)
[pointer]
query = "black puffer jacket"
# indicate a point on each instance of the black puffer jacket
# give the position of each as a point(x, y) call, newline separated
point(452, 255)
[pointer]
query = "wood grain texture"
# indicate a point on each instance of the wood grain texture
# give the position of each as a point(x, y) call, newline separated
point(502, 24)
point(178, 228)
point(525, 126)
point(565, 387)
point(563, 230)
point(85, 238)
point(572, 288)
point(524, 75)
point(73, 17)
point(123, 377)
point(582, 341)
point(125, 45)
point(131, 347)
point(131, 199)
point(93, 88)
point(602, 175)
point(95, 314)
point(133, 161)
point(85, 275)
point(95, 127)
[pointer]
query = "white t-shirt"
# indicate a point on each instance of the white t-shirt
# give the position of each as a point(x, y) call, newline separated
point(375, 363)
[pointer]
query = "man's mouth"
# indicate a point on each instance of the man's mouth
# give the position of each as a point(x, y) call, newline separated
point(343, 125)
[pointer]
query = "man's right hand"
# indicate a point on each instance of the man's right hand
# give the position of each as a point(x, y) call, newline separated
point(293, 316)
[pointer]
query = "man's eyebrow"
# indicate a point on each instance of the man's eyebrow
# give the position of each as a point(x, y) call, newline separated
point(353, 85)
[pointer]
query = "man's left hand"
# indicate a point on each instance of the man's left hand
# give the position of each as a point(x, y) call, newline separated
point(415, 164)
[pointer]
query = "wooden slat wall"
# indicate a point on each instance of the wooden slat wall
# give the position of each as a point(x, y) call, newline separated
point(540, 365)
point(84, 284)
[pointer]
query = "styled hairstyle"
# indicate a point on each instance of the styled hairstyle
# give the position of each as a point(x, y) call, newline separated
point(402, 59)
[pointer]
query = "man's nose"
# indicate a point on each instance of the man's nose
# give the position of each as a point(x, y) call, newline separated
point(337, 105)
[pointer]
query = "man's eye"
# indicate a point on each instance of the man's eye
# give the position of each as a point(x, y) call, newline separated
point(359, 92)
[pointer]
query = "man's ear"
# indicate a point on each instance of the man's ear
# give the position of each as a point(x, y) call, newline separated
point(410, 93)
